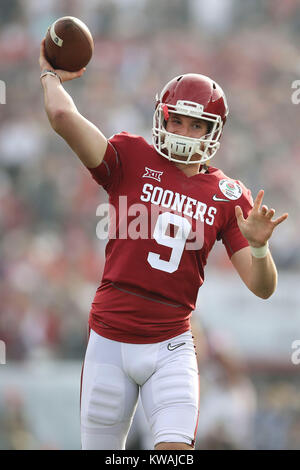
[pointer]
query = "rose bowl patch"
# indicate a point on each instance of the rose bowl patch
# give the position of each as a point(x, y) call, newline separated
point(230, 189)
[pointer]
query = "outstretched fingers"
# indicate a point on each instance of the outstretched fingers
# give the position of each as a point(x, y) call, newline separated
point(270, 213)
point(264, 210)
point(258, 199)
point(280, 219)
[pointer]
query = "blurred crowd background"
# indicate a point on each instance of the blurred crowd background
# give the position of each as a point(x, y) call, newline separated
point(50, 258)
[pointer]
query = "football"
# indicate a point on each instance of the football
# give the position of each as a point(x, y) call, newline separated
point(69, 44)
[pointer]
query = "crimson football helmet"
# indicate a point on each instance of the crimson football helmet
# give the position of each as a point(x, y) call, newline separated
point(196, 96)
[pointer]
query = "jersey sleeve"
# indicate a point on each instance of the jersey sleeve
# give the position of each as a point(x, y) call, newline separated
point(110, 171)
point(231, 235)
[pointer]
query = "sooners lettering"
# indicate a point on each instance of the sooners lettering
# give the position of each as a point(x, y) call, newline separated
point(178, 202)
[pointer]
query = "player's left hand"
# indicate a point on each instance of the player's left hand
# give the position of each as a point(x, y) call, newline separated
point(259, 226)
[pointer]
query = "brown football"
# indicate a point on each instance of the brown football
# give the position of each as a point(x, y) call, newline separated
point(69, 44)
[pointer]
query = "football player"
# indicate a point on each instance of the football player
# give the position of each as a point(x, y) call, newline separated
point(140, 338)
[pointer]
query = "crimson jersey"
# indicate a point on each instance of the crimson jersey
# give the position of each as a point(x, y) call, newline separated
point(166, 224)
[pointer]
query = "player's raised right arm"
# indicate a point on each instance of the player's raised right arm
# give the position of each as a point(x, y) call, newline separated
point(83, 137)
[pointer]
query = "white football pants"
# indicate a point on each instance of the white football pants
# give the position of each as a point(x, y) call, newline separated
point(165, 374)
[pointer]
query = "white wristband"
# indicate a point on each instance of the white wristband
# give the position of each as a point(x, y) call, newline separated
point(260, 252)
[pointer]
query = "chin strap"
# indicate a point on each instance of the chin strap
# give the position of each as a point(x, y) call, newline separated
point(204, 168)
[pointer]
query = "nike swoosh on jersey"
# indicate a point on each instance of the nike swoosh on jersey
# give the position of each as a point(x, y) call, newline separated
point(171, 347)
point(216, 198)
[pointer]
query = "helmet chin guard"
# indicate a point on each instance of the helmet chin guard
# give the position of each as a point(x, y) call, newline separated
point(207, 102)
